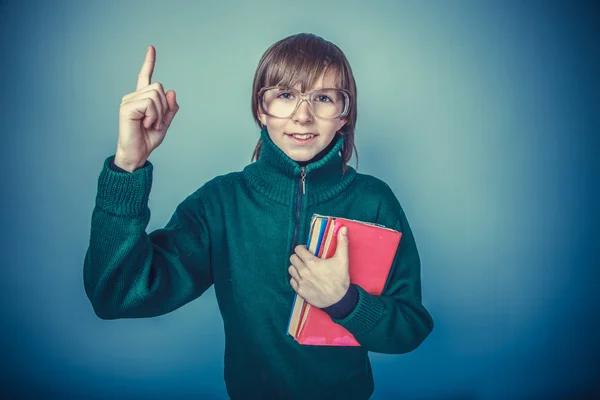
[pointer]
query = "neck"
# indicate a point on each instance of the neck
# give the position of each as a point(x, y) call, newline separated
point(319, 155)
point(275, 174)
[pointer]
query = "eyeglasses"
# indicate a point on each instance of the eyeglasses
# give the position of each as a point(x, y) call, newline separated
point(282, 102)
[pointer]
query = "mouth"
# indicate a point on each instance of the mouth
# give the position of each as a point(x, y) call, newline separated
point(303, 138)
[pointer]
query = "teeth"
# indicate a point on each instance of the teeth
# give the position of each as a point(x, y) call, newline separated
point(303, 136)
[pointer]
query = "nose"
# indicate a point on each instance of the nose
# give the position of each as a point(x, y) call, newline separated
point(303, 113)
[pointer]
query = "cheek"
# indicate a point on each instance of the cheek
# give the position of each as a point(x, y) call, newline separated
point(274, 125)
point(330, 127)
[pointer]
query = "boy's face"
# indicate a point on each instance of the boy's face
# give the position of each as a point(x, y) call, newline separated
point(304, 121)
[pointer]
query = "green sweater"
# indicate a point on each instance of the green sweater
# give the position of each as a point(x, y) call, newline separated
point(237, 232)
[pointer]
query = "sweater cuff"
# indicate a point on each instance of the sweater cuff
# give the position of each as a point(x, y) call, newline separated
point(115, 167)
point(342, 308)
point(365, 316)
point(124, 194)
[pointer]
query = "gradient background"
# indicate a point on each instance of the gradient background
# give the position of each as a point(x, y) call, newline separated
point(481, 116)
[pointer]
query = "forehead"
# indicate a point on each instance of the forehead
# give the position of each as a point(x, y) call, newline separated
point(303, 77)
point(328, 79)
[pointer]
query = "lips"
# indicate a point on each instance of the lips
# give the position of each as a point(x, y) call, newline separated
point(302, 138)
point(302, 135)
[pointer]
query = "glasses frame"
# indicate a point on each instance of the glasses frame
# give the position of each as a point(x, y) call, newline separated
point(304, 96)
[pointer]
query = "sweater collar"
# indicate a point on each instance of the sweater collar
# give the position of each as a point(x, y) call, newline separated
point(278, 177)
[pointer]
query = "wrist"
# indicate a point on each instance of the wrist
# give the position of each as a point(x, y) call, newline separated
point(129, 166)
point(345, 305)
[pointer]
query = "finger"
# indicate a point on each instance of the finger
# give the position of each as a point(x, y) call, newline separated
point(141, 109)
point(153, 95)
point(297, 262)
point(150, 111)
point(173, 108)
point(163, 97)
point(294, 284)
point(294, 273)
point(342, 243)
point(153, 86)
point(304, 254)
point(145, 74)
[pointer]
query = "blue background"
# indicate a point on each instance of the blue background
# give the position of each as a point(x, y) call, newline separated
point(481, 116)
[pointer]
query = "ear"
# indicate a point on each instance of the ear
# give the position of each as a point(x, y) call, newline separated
point(341, 123)
point(262, 117)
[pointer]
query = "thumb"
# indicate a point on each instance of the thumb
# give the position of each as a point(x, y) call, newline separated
point(342, 243)
point(173, 107)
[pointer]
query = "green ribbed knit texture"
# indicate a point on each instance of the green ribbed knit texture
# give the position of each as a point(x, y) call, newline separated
point(236, 232)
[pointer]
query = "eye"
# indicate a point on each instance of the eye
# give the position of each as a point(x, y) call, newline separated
point(285, 96)
point(324, 99)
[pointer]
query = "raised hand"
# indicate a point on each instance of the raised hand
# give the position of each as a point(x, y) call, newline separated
point(144, 117)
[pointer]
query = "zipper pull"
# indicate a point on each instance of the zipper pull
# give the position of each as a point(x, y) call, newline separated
point(303, 175)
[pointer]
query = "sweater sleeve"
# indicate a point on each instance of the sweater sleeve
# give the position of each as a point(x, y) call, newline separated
point(345, 306)
point(131, 274)
point(115, 167)
point(395, 322)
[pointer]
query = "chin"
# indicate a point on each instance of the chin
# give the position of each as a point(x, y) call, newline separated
point(300, 157)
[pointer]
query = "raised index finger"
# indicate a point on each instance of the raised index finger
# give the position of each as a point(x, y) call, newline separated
point(147, 68)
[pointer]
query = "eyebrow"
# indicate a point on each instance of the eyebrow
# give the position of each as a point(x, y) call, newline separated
point(318, 88)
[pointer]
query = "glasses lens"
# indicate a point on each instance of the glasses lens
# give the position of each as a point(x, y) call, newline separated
point(280, 102)
point(327, 103)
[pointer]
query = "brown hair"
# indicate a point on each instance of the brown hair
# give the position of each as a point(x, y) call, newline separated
point(303, 58)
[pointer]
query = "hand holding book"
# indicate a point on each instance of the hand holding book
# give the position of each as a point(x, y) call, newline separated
point(321, 282)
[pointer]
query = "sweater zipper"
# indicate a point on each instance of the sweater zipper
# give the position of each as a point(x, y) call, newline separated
point(301, 191)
